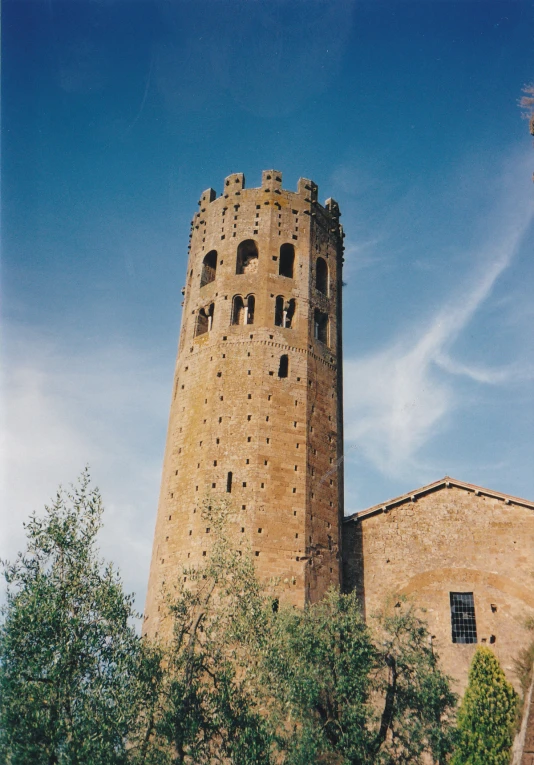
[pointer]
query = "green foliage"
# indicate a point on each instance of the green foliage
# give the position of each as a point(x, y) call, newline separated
point(210, 710)
point(524, 664)
point(237, 680)
point(354, 697)
point(71, 664)
point(486, 715)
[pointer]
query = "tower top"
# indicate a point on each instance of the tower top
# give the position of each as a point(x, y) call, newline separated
point(271, 181)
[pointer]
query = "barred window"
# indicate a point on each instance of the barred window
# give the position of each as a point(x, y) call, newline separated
point(463, 622)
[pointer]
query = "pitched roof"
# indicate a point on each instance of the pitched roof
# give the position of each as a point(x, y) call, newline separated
point(445, 482)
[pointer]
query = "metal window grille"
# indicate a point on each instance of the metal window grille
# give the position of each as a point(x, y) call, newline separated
point(463, 621)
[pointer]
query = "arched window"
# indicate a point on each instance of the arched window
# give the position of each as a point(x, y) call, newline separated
point(279, 311)
point(284, 311)
point(287, 260)
point(209, 268)
point(321, 276)
point(238, 310)
point(249, 309)
point(283, 368)
point(247, 257)
point(204, 320)
point(290, 313)
point(320, 322)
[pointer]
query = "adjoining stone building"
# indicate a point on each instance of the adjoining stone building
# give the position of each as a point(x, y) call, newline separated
point(462, 552)
point(256, 405)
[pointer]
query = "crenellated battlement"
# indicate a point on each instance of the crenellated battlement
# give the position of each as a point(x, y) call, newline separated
point(271, 181)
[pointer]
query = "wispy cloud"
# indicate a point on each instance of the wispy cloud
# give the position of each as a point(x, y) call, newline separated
point(400, 396)
point(64, 409)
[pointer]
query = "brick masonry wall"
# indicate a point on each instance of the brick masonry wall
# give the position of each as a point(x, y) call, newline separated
point(450, 540)
point(233, 412)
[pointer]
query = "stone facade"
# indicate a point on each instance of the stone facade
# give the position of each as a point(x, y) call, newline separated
point(256, 411)
point(449, 537)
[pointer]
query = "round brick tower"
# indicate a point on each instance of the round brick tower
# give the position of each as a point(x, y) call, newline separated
point(256, 411)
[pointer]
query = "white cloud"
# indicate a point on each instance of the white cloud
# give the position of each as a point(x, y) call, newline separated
point(399, 397)
point(63, 410)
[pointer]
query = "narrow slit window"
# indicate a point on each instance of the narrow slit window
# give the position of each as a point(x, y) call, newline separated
point(463, 621)
point(321, 276)
point(283, 369)
point(209, 268)
point(229, 482)
point(287, 260)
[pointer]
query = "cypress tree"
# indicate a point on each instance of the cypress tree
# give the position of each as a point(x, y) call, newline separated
point(486, 715)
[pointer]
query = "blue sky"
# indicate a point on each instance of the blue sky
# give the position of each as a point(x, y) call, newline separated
point(116, 114)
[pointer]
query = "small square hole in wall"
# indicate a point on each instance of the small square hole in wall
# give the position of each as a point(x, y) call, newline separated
point(268, 440)
point(257, 553)
point(271, 373)
point(213, 485)
point(269, 397)
point(220, 419)
point(248, 354)
point(242, 529)
point(294, 490)
point(493, 608)
point(190, 532)
point(296, 536)
point(296, 467)
point(249, 417)
point(175, 472)
point(259, 531)
point(251, 337)
point(204, 553)
point(205, 400)
point(219, 374)
point(170, 516)
point(225, 337)
point(248, 372)
point(249, 439)
point(244, 484)
point(297, 445)
point(196, 488)
point(294, 512)
point(249, 395)
point(247, 461)
point(217, 440)
point(224, 355)
point(263, 486)
point(243, 507)
point(267, 418)
point(214, 463)
point(221, 398)
point(172, 494)
point(265, 462)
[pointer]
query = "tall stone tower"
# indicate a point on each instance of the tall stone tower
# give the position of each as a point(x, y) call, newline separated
point(256, 412)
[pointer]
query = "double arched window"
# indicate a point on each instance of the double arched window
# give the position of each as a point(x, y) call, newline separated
point(321, 276)
point(204, 320)
point(284, 312)
point(209, 268)
point(243, 309)
point(287, 260)
point(247, 257)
